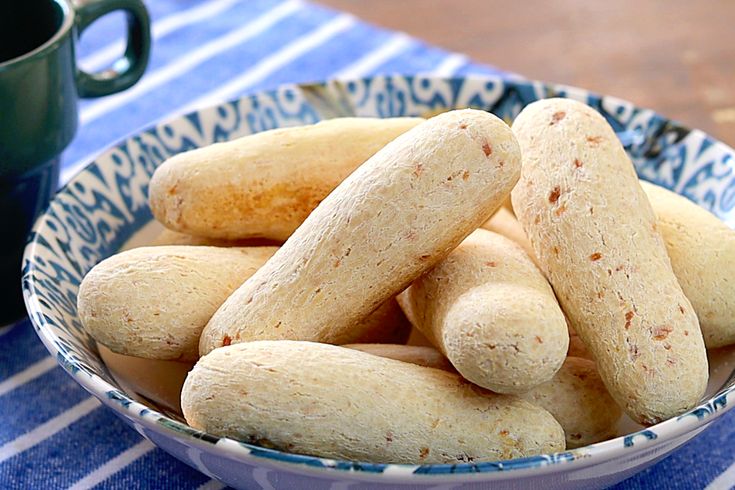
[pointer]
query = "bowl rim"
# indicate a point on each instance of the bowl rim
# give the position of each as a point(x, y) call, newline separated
point(137, 413)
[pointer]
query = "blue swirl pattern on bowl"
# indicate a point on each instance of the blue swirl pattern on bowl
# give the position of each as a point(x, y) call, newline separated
point(106, 204)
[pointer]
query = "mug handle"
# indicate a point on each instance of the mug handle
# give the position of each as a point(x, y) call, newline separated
point(128, 69)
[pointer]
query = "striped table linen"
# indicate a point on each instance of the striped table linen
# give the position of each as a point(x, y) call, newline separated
point(55, 435)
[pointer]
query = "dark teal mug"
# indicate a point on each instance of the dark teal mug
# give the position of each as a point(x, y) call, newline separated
point(39, 88)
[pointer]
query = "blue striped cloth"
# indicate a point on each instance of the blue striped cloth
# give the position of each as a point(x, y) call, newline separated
point(52, 433)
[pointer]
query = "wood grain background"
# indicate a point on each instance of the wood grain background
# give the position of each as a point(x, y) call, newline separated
point(674, 56)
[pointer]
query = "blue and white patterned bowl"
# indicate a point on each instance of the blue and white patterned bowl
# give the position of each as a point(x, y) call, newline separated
point(105, 204)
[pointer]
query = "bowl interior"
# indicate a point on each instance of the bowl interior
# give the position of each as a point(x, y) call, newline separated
point(105, 206)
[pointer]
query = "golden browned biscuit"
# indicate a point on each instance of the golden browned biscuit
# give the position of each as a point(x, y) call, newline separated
point(702, 253)
point(332, 402)
point(579, 401)
point(395, 217)
point(265, 184)
point(595, 236)
point(575, 396)
point(153, 302)
point(489, 309)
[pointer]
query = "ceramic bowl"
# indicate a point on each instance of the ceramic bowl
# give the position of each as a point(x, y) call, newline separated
point(105, 206)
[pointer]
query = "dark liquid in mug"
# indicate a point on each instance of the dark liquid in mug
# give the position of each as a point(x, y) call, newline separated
point(25, 25)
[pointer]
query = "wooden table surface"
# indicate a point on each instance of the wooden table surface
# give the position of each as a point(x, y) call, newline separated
point(674, 56)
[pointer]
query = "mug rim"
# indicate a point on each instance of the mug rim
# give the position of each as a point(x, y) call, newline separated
point(51, 43)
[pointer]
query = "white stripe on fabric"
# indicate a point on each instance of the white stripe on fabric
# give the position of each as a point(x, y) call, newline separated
point(260, 475)
point(450, 65)
point(273, 62)
point(28, 374)
point(725, 481)
point(366, 64)
point(47, 429)
point(189, 60)
point(212, 485)
point(104, 56)
point(114, 465)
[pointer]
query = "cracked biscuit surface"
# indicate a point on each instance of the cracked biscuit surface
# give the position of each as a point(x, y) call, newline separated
point(489, 309)
point(265, 184)
point(394, 218)
point(595, 236)
point(334, 402)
